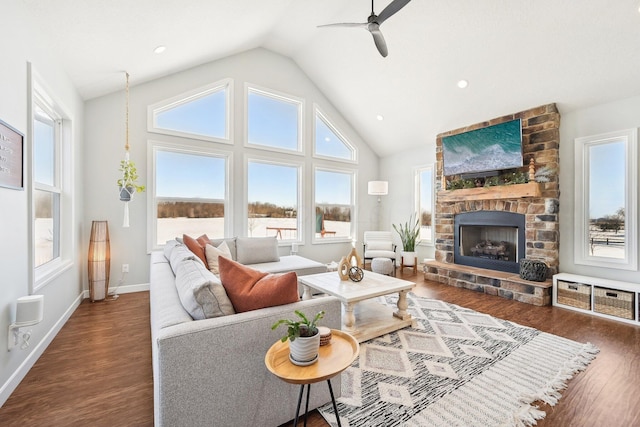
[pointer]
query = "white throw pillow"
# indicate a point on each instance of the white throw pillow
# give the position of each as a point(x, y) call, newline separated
point(212, 253)
point(379, 246)
point(256, 250)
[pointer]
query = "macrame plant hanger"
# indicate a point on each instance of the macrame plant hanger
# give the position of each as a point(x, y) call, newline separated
point(126, 184)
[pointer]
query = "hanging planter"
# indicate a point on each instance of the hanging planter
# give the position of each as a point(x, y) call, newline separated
point(128, 183)
point(126, 193)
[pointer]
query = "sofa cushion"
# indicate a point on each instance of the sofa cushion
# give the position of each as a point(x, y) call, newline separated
point(195, 246)
point(231, 243)
point(250, 289)
point(374, 245)
point(302, 266)
point(168, 248)
point(255, 250)
point(213, 253)
point(201, 293)
point(178, 254)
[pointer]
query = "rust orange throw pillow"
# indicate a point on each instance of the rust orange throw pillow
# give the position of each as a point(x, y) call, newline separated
point(197, 246)
point(250, 289)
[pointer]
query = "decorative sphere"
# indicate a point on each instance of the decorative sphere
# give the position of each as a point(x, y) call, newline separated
point(356, 274)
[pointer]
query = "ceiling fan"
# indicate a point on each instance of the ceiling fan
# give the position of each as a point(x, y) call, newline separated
point(374, 21)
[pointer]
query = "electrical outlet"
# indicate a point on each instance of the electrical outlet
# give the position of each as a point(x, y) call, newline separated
point(125, 268)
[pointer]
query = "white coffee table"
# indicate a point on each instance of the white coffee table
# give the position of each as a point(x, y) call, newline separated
point(367, 319)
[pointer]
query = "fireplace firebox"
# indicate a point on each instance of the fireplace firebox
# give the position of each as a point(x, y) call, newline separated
point(489, 239)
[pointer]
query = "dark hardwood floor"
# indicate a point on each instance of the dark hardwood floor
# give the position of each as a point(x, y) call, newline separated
point(97, 371)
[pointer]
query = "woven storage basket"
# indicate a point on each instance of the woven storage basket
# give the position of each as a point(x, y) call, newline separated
point(574, 294)
point(534, 270)
point(614, 302)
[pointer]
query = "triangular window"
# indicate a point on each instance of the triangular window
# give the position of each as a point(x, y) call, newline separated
point(200, 114)
point(329, 142)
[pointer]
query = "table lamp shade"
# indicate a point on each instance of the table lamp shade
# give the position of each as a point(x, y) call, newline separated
point(378, 188)
point(99, 261)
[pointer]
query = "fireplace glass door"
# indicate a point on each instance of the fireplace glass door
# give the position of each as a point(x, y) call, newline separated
point(489, 242)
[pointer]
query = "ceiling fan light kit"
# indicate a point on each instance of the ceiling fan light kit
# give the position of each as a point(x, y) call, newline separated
point(374, 21)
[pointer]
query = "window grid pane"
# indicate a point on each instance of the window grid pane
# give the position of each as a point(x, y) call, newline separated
point(273, 121)
point(607, 171)
point(44, 148)
point(189, 195)
point(46, 226)
point(273, 200)
point(333, 204)
point(329, 143)
point(204, 115)
point(425, 180)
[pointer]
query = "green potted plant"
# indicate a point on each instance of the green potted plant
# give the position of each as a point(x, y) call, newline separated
point(303, 336)
point(409, 233)
point(128, 182)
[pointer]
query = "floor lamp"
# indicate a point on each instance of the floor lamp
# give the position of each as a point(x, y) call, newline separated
point(99, 261)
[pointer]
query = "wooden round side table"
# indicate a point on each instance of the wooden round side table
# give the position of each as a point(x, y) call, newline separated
point(333, 358)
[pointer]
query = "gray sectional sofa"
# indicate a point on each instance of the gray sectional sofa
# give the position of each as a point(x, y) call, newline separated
point(211, 372)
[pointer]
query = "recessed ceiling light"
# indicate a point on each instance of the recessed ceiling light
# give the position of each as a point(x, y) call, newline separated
point(462, 83)
point(380, 117)
point(159, 49)
point(327, 139)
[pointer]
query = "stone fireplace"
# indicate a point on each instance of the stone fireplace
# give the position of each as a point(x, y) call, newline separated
point(482, 233)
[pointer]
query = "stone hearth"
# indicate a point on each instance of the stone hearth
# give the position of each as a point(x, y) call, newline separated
point(537, 201)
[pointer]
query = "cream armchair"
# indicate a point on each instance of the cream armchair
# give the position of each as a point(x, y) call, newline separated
point(378, 244)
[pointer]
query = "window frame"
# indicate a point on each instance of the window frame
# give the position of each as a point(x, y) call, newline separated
point(582, 173)
point(280, 96)
point(430, 168)
point(192, 149)
point(188, 96)
point(41, 97)
point(354, 206)
point(300, 194)
point(319, 114)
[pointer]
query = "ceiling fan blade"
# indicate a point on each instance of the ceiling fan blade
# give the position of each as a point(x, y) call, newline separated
point(344, 24)
point(378, 39)
point(391, 9)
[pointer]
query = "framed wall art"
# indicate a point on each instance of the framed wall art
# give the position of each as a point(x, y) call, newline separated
point(11, 157)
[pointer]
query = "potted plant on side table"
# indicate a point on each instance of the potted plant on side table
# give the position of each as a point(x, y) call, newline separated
point(409, 233)
point(303, 336)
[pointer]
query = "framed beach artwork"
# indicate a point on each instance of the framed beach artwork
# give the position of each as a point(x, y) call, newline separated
point(11, 157)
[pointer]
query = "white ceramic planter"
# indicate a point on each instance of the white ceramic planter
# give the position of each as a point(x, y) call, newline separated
point(408, 258)
point(304, 350)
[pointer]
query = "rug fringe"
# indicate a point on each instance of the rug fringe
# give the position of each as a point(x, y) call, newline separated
point(527, 416)
point(550, 394)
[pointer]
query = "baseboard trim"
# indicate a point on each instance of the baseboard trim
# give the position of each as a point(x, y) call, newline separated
point(22, 371)
point(127, 289)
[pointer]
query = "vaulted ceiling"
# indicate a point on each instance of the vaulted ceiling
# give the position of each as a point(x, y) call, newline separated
point(515, 54)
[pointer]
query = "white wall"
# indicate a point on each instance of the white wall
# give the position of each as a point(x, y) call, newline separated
point(20, 45)
point(105, 132)
point(400, 169)
point(613, 116)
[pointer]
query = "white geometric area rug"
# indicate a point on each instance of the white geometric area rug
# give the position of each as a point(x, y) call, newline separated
point(456, 367)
